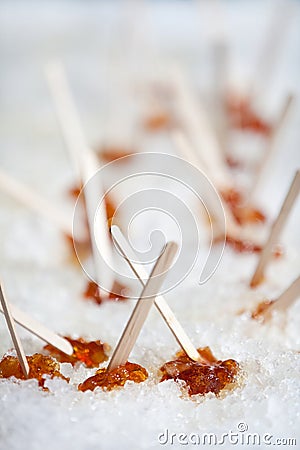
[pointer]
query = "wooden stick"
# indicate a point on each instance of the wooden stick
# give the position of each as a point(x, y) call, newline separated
point(271, 46)
point(197, 126)
point(85, 165)
point(40, 330)
point(220, 66)
point(15, 338)
point(35, 202)
point(219, 50)
point(220, 86)
point(187, 152)
point(233, 229)
point(272, 142)
point(276, 229)
point(143, 306)
point(160, 303)
point(67, 114)
point(97, 222)
point(208, 156)
point(285, 300)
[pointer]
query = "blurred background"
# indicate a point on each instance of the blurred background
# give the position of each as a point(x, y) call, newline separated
point(119, 57)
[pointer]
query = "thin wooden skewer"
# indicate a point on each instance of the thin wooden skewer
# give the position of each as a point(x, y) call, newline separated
point(272, 142)
point(15, 338)
point(35, 202)
point(285, 300)
point(160, 303)
point(276, 229)
point(40, 330)
point(85, 165)
point(143, 306)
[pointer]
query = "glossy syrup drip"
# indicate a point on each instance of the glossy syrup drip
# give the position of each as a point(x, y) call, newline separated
point(202, 378)
point(115, 378)
point(39, 365)
point(90, 353)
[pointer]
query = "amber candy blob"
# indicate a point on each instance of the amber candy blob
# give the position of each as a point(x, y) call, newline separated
point(243, 117)
point(201, 378)
point(114, 153)
point(92, 292)
point(75, 191)
point(242, 213)
point(110, 210)
point(79, 249)
point(233, 163)
point(260, 310)
point(247, 246)
point(159, 121)
point(242, 246)
point(239, 245)
point(90, 353)
point(39, 365)
point(115, 378)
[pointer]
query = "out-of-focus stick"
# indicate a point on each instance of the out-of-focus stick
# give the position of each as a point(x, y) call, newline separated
point(276, 229)
point(196, 124)
point(35, 202)
point(187, 152)
point(220, 87)
point(97, 221)
point(285, 300)
point(40, 330)
point(220, 58)
point(67, 115)
point(160, 303)
point(271, 47)
point(15, 338)
point(86, 166)
point(143, 306)
point(272, 142)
